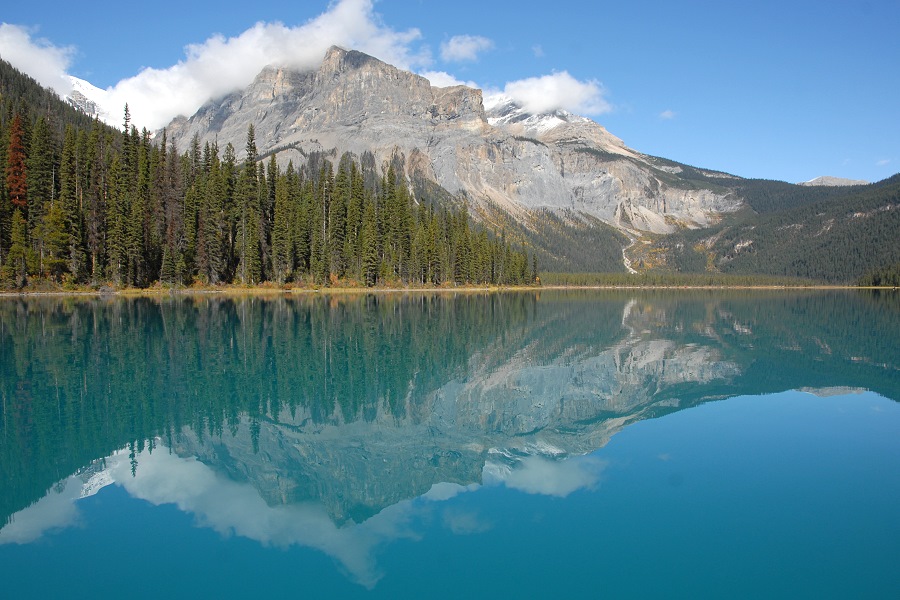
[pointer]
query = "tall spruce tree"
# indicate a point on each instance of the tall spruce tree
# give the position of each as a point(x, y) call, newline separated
point(282, 240)
point(16, 172)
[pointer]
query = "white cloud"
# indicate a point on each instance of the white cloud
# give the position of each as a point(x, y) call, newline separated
point(46, 63)
point(464, 47)
point(444, 79)
point(883, 162)
point(558, 91)
point(222, 65)
point(667, 115)
point(538, 51)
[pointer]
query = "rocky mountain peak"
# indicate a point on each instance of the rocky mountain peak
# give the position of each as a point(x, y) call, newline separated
point(503, 157)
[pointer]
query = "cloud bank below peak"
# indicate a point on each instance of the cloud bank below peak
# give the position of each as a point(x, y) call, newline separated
point(221, 65)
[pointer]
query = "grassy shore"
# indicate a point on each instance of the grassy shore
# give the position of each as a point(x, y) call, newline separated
point(45, 289)
point(547, 281)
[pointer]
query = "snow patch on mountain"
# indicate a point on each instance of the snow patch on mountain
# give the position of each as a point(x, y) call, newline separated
point(502, 110)
point(93, 101)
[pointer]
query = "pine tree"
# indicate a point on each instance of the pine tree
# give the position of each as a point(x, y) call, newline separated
point(16, 172)
point(68, 202)
point(231, 211)
point(41, 174)
point(95, 197)
point(264, 222)
point(337, 219)
point(56, 241)
point(16, 267)
point(247, 195)
point(369, 242)
point(116, 223)
point(303, 200)
point(214, 228)
point(282, 241)
point(173, 201)
point(353, 226)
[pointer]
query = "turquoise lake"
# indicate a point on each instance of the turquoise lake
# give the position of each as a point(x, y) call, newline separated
point(658, 444)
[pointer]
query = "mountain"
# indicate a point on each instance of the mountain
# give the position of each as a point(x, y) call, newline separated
point(497, 156)
point(833, 181)
point(555, 185)
point(92, 101)
point(836, 239)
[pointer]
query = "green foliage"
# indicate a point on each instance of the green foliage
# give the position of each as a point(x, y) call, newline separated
point(670, 280)
point(134, 212)
point(885, 277)
point(104, 205)
point(835, 240)
point(577, 244)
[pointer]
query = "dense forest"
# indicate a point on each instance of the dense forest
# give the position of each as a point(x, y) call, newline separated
point(844, 238)
point(83, 203)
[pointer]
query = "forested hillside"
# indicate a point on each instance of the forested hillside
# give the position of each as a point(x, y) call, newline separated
point(83, 203)
point(839, 239)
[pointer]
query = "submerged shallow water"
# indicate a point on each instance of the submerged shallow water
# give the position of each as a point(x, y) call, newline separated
point(676, 444)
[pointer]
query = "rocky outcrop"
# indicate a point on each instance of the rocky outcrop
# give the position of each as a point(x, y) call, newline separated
point(827, 180)
point(505, 156)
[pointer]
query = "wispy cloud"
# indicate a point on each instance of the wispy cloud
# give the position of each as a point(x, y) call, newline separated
point(461, 48)
point(538, 51)
point(667, 115)
point(883, 162)
point(37, 57)
point(558, 91)
point(222, 65)
point(444, 79)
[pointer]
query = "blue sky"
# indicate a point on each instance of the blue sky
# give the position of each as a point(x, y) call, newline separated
point(780, 90)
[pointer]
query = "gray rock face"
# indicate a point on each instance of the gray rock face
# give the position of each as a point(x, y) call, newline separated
point(833, 181)
point(507, 157)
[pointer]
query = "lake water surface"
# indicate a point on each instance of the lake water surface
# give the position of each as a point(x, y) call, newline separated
point(536, 444)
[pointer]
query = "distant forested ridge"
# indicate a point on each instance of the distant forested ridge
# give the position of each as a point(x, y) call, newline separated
point(842, 235)
point(84, 203)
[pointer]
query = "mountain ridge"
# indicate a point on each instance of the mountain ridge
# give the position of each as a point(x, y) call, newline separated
point(505, 158)
point(494, 145)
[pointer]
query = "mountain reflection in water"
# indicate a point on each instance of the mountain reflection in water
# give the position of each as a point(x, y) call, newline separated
point(336, 422)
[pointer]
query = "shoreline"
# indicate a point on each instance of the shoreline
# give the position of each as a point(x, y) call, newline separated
point(302, 291)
